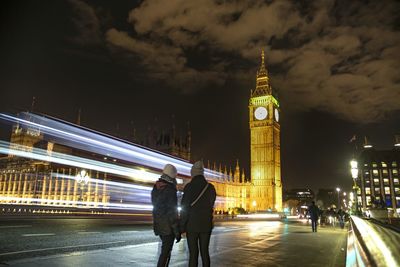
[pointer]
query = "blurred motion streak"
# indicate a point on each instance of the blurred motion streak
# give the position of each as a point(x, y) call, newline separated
point(55, 164)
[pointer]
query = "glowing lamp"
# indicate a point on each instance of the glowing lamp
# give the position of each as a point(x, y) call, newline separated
point(354, 164)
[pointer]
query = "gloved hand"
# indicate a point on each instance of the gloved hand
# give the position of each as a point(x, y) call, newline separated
point(178, 237)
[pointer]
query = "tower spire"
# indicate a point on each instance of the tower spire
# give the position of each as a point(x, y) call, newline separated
point(78, 119)
point(33, 103)
point(262, 70)
point(262, 80)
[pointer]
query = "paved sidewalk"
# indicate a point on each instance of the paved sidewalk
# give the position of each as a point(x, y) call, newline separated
point(236, 244)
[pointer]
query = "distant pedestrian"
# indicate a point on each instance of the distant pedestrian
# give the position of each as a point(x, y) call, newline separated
point(165, 212)
point(314, 212)
point(332, 217)
point(197, 215)
point(341, 216)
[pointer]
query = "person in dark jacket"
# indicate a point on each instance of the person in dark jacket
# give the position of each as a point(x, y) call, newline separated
point(341, 216)
point(314, 212)
point(165, 212)
point(197, 215)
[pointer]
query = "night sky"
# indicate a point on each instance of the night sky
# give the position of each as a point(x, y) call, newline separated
point(335, 66)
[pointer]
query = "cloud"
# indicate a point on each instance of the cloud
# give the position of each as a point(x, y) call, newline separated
point(337, 56)
point(165, 62)
point(86, 23)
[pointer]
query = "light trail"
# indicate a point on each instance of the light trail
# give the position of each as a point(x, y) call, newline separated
point(40, 154)
point(134, 196)
point(99, 181)
point(99, 143)
point(78, 204)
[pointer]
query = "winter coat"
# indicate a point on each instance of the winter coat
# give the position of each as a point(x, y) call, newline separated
point(199, 217)
point(165, 208)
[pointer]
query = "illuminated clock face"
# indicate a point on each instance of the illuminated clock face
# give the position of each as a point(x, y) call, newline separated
point(260, 113)
point(276, 115)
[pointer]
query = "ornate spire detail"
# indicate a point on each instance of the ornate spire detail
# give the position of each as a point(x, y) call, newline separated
point(262, 81)
point(33, 103)
point(262, 71)
point(78, 119)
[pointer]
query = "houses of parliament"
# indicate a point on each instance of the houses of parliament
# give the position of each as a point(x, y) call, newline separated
point(262, 191)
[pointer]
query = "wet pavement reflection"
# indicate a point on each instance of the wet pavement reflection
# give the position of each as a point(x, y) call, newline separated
point(233, 243)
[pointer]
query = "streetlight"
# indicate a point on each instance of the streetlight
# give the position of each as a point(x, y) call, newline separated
point(338, 200)
point(82, 178)
point(254, 205)
point(354, 175)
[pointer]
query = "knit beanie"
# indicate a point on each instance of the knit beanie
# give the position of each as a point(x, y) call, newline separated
point(197, 169)
point(170, 170)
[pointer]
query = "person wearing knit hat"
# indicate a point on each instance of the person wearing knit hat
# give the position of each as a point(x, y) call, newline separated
point(197, 169)
point(165, 212)
point(169, 173)
point(197, 214)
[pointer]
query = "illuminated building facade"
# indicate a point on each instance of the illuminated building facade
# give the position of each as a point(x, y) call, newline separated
point(39, 182)
point(265, 162)
point(378, 183)
point(233, 187)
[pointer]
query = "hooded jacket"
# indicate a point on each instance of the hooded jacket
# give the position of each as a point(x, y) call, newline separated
point(197, 218)
point(165, 208)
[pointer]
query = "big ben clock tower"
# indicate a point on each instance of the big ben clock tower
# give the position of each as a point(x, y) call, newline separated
point(265, 153)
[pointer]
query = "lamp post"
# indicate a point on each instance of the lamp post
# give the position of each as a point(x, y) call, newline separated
point(354, 175)
point(338, 199)
point(82, 178)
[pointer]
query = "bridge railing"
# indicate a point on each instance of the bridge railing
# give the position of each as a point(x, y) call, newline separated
point(371, 244)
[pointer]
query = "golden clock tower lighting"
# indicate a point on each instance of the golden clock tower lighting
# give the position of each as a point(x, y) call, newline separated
point(265, 162)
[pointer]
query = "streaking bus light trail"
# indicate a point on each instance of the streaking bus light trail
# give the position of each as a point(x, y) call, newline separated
point(74, 161)
point(94, 142)
point(88, 172)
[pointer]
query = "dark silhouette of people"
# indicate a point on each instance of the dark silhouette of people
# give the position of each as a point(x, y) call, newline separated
point(341, 216)
point(197, 215)
point(165, 212)
point(313, 211)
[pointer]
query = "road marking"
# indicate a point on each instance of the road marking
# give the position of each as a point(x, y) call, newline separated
point(234, 229)
point(45, 249)
point(14, 226)
point(134, 246)
point(84, 233)
point(45, 234)
point(133, 231)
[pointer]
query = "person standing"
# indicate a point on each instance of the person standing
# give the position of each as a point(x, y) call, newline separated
point(165, 212)
point(197, 215)
point(341, 214)
point(313, 211)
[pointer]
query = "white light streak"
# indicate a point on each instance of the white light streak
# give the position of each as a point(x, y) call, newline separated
point(40, 154)
point(99, 143)
point(99, 181)
point(82, 204)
